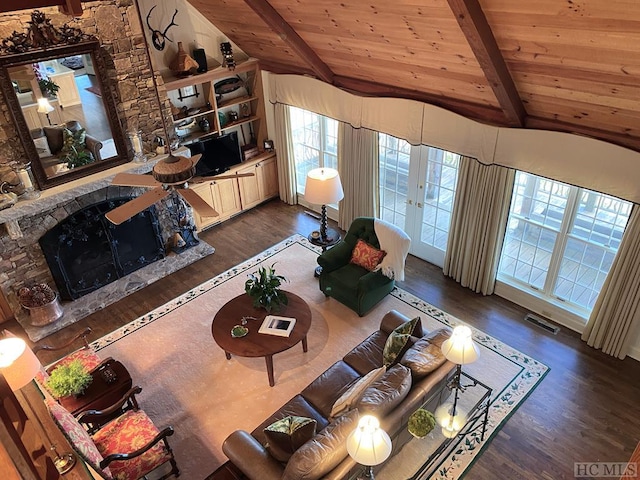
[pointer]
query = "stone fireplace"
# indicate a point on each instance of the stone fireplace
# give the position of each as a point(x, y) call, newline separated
point(23, 262)
point(85, 251)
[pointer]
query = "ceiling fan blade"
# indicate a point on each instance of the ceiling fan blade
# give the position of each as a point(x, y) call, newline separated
point(134, 180)
point(197, 203)
point(135, 206)
point(221, 177)
point(196, 158)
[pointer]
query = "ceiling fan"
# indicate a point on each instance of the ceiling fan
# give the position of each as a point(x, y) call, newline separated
point(170, 174)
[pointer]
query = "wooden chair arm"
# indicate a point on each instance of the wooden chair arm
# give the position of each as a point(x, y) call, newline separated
point(93, 416)
point(84, 334)
point(164, 433)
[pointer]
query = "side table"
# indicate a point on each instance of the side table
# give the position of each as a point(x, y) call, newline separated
point(333, 237)
point(111, 380)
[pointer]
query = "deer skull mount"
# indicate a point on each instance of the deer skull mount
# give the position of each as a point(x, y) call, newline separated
point(158, 38)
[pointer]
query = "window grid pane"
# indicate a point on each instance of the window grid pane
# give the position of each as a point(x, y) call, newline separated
point(440, 185)
point(315, 143)
point(593, 240)
point(394, 156)
point(535, 225)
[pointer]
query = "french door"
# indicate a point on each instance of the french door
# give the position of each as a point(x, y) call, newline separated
point(417, 189)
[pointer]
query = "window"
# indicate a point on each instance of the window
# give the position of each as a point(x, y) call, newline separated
point(315, 143)
point(417, 189)
point(561, 241)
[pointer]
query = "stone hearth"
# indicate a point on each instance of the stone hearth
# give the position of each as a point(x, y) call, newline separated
point(22, 261)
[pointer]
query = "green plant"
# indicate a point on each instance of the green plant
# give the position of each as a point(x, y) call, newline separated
point(77, 158)
point(421, 422)
point(70, 379)
point(48, 87)
point(263, 287)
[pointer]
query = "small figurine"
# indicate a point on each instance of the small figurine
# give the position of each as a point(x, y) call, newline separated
point(227, 55)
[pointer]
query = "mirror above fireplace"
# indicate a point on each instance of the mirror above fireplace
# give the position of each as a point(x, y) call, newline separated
point(65, 86)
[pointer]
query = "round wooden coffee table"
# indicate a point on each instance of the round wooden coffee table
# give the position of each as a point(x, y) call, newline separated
point(256, 344)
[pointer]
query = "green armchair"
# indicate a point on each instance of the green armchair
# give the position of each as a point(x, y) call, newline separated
point(353, 285)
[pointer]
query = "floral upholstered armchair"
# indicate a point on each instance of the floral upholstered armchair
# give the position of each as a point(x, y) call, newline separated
point(128, 447)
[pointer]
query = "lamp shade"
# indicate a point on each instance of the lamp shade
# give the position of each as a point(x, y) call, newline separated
point(18, 363)
point(44, 106)
point(459, 348)
point(323, 186)
point(368, 444)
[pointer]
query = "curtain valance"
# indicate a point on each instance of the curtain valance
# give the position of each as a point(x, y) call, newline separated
point(565, 157)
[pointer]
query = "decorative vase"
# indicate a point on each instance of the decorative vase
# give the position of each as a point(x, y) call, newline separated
point(183, 64)
point(45, 314)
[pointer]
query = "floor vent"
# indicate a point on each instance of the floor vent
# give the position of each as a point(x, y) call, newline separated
point(542, 323)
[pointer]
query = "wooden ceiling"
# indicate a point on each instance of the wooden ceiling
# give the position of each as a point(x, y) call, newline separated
point(565, 65)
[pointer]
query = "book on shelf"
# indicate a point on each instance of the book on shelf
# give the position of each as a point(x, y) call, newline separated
point(280, 326)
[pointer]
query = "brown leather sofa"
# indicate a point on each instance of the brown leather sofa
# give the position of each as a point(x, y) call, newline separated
point(392, 399)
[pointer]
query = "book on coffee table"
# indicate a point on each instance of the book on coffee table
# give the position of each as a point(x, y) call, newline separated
point(281, 326)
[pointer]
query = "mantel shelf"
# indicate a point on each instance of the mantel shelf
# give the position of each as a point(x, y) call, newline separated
point(52, 197)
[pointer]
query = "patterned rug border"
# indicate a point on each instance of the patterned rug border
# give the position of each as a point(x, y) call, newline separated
point(504, 404)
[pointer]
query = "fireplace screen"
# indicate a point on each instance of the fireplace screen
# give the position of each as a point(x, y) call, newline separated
point(86, 252)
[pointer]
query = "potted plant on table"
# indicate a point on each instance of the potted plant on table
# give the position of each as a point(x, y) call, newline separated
point(263, 287)
point(69, 379)
point(421, 422)
point(42, 302)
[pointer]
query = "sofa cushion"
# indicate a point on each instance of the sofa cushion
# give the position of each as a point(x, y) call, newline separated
point(323, 392)
point(54, 138)
point(397, 342)
point(367, 256)
point(297, 406)
point(324, 451)
point(355, 391)
point(368, 354)
point(425, 355)
point(386, 393)
point(286, 435)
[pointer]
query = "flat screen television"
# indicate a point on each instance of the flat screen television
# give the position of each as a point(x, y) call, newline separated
point(219, 153)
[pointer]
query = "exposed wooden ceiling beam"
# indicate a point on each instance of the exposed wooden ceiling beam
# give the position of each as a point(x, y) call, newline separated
point(288, 35)
point(476, 29)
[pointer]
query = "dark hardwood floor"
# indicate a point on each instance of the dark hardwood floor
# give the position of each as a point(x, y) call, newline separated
point(585, 410)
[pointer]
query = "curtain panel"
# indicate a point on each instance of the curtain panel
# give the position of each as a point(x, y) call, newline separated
point(569, 158)
point(358, 167)
point(478, 223)
point(616, 315)
point(284, 146)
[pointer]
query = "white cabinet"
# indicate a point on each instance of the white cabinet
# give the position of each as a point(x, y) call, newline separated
point(232, 196)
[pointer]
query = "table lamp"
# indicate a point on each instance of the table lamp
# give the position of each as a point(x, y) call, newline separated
point(368, 444)
point(45, 107)
point(461, 350)
point(323, 187)
point(19, 366)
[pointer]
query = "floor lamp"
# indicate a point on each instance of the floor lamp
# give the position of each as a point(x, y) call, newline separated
point(323, 187)
point(368, 444)
point(461, 350)
point(45, 107)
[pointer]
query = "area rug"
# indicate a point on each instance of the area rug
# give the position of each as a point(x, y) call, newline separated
point(187, 382)
point(95, 90)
